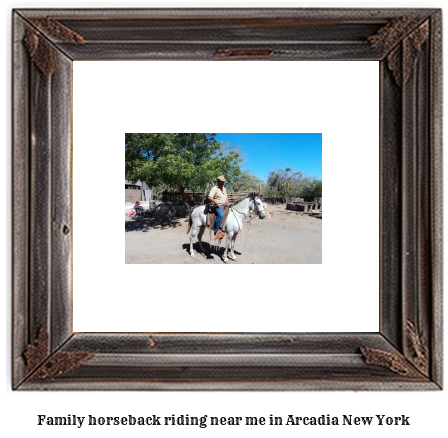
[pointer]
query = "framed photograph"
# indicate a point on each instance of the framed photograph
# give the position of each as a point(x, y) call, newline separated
point(50, 353)
point(282, 229)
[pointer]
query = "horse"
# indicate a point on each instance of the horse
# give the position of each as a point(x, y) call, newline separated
point(234, 223)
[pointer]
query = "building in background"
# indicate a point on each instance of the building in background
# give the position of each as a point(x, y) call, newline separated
point(139, 191)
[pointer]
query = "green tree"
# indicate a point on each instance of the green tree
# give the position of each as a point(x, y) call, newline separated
point(268, 191)
point(246, 181)
point(312, 188)
point(180, 161)
point(286, 182)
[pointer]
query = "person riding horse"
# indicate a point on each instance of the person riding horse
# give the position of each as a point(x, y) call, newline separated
point(218, 195)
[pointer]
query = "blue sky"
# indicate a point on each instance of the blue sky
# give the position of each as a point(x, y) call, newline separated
point(301, 152)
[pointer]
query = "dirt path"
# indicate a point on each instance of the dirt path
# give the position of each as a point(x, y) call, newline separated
point(288, 237)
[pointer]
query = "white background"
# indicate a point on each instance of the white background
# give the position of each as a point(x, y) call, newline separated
point(427, 410)
point(338, 99)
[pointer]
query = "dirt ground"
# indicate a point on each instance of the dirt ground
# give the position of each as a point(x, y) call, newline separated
point(287, 237)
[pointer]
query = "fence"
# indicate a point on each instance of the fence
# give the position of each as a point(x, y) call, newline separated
point(172, 196)
point(236, 196)
point(289, 199)
point(201, 198)
point(195, 198)
point(273, 200)
point(279, 199)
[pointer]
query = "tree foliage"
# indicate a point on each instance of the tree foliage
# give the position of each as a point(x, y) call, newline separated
point(294, 184)
point(246, 181)
point(180, 161)
point(286, 182)
point(268, 191)
point(312, 188)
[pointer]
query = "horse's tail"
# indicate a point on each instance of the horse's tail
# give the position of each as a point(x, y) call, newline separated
point(190, 222)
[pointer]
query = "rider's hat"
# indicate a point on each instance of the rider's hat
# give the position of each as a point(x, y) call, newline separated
point(221, 178)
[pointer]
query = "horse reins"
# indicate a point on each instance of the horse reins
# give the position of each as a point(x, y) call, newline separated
point(233, 208)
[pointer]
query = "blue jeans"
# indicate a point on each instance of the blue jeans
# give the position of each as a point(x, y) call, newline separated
point(219, 216)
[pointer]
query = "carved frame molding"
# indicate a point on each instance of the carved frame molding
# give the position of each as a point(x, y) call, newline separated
point(406, 354)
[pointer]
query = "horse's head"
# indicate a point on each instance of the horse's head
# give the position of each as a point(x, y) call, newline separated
point(257, 206)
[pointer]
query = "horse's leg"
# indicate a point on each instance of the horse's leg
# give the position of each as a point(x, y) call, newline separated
point(201, 233)
point(228, 240)
point(192, 236)
point(232, 248)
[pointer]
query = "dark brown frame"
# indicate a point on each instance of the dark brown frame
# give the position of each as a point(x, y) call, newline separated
point(406, 354)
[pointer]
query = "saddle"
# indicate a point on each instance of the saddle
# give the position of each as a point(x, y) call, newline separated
point(209, 211)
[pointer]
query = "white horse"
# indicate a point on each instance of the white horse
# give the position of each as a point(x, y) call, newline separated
point(233, 225)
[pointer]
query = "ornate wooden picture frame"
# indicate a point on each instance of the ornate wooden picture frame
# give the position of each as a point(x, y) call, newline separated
point(406, 353)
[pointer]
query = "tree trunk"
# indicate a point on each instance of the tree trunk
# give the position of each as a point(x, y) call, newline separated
point(283, 195)
point(182, 194)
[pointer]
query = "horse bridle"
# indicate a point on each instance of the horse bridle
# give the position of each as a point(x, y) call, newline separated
point(256, 206)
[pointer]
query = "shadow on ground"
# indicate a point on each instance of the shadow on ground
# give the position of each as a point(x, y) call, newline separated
point(210, 251)
point(146, 223)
